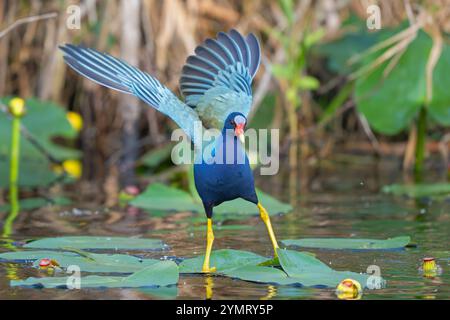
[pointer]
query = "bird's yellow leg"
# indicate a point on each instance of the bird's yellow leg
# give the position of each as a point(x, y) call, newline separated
point(209, 243)
point(265, 217)
point(209, 285)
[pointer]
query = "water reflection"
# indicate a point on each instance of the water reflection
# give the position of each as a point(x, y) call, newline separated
point(11, 217)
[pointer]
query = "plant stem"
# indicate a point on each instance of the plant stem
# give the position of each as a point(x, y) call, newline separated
point(420, 144)
point(13, 176)
point(14, 156)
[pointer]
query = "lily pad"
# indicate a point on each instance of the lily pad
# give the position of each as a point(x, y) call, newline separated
point(260, 274)
point(419, 190)
point(104, 243)
point(161, 293)
point(344, 243)
point(87, 262)
point(224, 259)
point(161, 273)
point(160, 197)
point(310, 271)
point(297, 268)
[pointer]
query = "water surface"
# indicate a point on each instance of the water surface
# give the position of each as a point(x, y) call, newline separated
point(340, 199)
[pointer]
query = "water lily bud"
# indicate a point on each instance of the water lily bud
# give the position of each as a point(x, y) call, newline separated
point(75, 120)
point(132, 190)
point(349, 289)
point(46, 263)
point(429, 264)
point(73, 168)
point(430, 268)
point(17, 107)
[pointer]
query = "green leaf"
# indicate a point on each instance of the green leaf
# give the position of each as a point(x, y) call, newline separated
point(88, 262)
point(287, 6)
point(224, 259)
point(309, 271)
point(391, 103)
point(439, 107)
point(157, 156)
point(161, 273)
point(340, 243)
point(161, 197)
point(336, 102)
point(85, 242)
point(340, 51)
point(265, 114)
point(308, 83)
point(260, 274)
point(44, 120)
point(295, 263)
point(418, 190)
point(298, 268)
point(282, 71)
point(32, 172)
point(166, 293)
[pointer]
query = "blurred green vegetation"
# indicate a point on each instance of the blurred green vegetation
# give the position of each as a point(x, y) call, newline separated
point(327, 82)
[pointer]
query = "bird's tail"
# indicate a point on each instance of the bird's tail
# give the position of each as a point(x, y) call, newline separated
point(115, 74)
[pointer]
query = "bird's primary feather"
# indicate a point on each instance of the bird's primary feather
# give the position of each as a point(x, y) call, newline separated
point(217, 79)
point(118, 75)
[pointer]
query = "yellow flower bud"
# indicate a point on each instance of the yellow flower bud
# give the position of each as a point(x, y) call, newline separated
point(429, 265)
point(17, 107)
point(430, 268)
point(75, 120)
point(349, 289)
point(73, 168)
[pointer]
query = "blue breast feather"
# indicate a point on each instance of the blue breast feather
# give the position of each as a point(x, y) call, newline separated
point(219, 182)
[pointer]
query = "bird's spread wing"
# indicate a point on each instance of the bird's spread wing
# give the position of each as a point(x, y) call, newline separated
point(118, 75)
point(217, 79)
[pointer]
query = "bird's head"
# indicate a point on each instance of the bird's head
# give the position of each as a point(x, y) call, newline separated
point(235, 121)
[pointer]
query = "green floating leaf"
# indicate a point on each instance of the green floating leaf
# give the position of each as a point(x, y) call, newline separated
point(87, 262)
point(343, 243)
point(418, 190)
point(160, 197)
point(260, 274)
point(86, 242)
point(297, 268)
point(309, 271)
point(166, 293)
point(161, 273)
point(224, 259)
